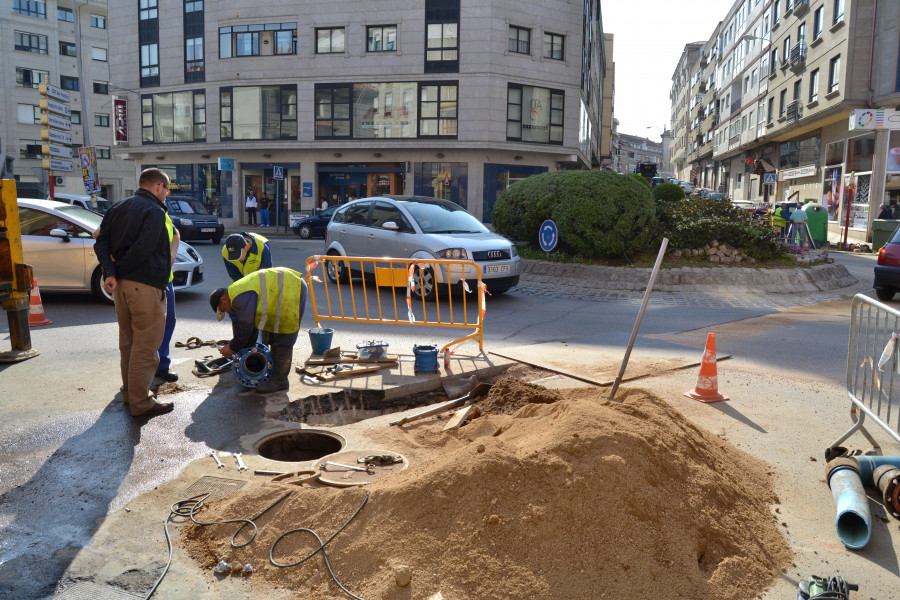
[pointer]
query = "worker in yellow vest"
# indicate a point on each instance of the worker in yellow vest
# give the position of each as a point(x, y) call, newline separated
point(779, 222)
point(245, 253)
point(271, 301)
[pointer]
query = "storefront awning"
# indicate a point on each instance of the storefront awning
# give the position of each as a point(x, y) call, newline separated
point(763, 166)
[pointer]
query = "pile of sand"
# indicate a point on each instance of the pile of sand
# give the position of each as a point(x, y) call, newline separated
point(571, 499)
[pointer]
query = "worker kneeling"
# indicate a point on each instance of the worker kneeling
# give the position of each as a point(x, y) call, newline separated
point(271, 301)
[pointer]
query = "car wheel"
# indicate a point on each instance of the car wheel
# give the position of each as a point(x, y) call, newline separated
point(98, 289)
point(336, 270)
point(885, 293)
point(424, 280)
point(216, 239)
point(304, 231)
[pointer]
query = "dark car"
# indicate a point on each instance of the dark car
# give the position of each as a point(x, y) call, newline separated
point(315, 225)
point(887, 270)
point(193, 221)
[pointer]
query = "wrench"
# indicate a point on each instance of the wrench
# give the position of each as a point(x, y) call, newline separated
point(218, 462)
point(367, 469)
point(241, 465)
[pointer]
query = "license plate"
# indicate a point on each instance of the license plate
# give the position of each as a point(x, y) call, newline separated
point(208, 230)
point(496, 268)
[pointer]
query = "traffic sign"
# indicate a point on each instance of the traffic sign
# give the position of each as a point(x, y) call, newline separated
point(57, 150)
point(277, 173)
point(52, 135)
point(769, 179)
point(548, 236)
point(55, 107)
point(226, 164)
point(52, 120)
point(55, 164)
point(54, 92)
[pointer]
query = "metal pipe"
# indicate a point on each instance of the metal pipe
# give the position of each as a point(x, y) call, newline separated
point(853, 521)
point(868, 464)
point(253, 366)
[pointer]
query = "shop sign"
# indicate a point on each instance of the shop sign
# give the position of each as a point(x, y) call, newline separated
point(120, 119)
point(807, 171)
point(870, 118)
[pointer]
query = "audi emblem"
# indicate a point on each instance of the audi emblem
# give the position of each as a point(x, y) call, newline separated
point(495, 254)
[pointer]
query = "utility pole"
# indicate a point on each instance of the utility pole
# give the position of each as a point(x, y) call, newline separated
point(86, 115)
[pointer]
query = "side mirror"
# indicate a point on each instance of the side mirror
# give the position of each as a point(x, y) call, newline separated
point(61, 234)
point(390, 225)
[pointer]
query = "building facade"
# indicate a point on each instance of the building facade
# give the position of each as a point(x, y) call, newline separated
point(66, 45)
point(634, 149)
point(682, 103)
point(345, 100)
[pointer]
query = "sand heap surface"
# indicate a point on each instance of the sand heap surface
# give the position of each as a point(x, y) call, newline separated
point(571, 497)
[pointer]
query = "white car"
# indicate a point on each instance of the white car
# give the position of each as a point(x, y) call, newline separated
point(58, 243)
point(425, 228)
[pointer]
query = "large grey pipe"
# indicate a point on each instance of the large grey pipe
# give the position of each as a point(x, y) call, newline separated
point(853, 521)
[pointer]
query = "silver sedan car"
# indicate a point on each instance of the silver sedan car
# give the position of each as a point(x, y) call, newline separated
point(57, 241)
point(424, 228)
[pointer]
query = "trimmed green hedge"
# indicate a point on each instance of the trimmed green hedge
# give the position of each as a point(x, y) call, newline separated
point(696, 222)
point(668, 192)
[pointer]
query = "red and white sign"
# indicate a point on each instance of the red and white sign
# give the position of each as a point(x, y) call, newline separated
point(120, 116)
point(807, 171)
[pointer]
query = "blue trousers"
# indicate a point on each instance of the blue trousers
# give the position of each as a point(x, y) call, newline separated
point(165, 361)
point(264, 217)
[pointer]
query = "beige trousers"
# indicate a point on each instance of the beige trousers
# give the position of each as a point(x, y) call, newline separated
point(141, 312)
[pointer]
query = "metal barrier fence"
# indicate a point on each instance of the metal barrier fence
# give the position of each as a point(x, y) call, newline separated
point(873, 366)
point(373, 297)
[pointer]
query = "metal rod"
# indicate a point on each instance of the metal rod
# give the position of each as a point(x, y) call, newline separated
point(637, 323)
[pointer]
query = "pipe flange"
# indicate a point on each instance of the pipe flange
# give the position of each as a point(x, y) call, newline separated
point(887, 480)
point(253, 366)
point(840, 464)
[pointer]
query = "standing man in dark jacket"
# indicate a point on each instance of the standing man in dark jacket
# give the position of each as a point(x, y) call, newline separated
point(133, 249)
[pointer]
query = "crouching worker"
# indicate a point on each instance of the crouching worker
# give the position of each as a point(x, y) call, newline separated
point(271, 301)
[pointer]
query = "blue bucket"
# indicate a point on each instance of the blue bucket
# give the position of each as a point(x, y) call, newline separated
point(320, 339)
point(426, 359)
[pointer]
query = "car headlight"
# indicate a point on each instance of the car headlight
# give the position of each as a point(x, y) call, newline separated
point(452, 254)
point(219, 222)
point(513, 251)
point(185, 222)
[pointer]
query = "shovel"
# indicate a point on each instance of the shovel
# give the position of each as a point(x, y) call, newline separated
point(479, 390)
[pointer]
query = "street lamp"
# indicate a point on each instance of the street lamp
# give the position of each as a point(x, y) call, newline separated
point(747, 36)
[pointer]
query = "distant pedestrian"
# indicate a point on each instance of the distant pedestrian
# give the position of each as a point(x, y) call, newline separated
point(264, 211)
point(324, 205)
point(798, 225)
point(134, 250)
point(251, 204)
point(886, 212)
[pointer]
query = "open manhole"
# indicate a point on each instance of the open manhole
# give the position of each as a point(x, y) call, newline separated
point(299, 445)
point(346, 406)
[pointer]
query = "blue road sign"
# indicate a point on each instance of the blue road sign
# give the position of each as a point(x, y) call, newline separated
point(277, 173)
point(226, 164)
point(769, 179)
point(307, 189)
point(547, 236)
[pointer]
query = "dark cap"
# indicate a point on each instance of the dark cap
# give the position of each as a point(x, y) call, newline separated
point(234, 245)
point(214, 300)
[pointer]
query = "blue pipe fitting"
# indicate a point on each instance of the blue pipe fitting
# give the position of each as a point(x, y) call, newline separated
point(426, 359)
point(253, 366)
point(868, 464)
point(853, 521)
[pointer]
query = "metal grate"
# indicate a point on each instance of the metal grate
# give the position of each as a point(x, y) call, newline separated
point(91, 591)
point(216, 486)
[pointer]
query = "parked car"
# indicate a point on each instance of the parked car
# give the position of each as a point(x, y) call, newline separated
point(100, 205)
point(421, 227)
point(57, 241)
point(315, 225)
point(688, 187)
point(887, 269)
point(193, 221)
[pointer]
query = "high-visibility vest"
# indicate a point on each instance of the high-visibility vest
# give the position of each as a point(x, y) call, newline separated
point(280, 292)
point(170, 229)
point(254, 259)
point(777, 219)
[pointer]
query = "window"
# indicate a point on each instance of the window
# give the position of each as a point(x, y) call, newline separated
point(245, 40)
point(438, 110)
point(333, 111)
point(519, 40)
point(797, 90)
point(98, 54)
point(554, 45)
point(738, 181)
point(443, 42)
point(782, 103)
point(30, 149)
point(534, 114)
point(29, 114)
point(838, 11)
point(818, 21)
point(149, 64)
point(286, 41)
point(101, 120)
point(193, 5)
point(147, 9)
point(801, 33)
point(814, 86)
point(103, 152)
point(246, 43)
point(754, 78)
point(193, 54)
point(98, 21)
point(173, 117)
point(834, 74)
point(101, 87)
point(795, 154)
point(30, 8)
point(776, 10)
point(259, 112)
point(381, 38)
point(330, 40)
point(774, 62)
point(65, 14)
point(786, 53)
point(67, 49)
point(68, 83)
point(75, 117)
point(31, 42)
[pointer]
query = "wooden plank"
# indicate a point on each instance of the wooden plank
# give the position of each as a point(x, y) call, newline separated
point(461, 417)
point(362, 370)
point(351, 359)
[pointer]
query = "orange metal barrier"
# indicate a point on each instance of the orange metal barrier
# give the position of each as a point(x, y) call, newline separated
point(372, 298)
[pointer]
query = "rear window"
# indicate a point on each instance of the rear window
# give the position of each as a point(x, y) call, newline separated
point(895, 237)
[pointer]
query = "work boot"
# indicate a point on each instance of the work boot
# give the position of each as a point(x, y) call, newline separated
point(282, 358)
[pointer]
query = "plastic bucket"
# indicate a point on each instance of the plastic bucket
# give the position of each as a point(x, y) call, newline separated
point(320, 339)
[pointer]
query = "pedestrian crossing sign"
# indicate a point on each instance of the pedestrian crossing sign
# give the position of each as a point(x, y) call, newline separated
point(769, 179)
point(278, 173)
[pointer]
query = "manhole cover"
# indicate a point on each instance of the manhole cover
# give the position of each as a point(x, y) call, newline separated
point(91, 591)
point(299, 445)
point(216, 487)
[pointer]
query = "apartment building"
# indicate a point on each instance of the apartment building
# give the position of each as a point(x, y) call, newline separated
point(805, 97)
point(608, 145)
point(634, 149)
point(682, 104)
point(64, 44)
point(345, 99)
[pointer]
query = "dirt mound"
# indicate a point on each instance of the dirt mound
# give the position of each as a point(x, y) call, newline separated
point(572, 499)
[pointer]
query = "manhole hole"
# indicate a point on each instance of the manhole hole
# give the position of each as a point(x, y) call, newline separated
point(299, 445)
point(347, 406)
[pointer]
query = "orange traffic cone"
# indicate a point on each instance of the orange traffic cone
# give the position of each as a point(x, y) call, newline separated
point(707, 388)
point(36, 314)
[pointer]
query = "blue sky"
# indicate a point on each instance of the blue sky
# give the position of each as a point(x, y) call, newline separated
point(649, 38)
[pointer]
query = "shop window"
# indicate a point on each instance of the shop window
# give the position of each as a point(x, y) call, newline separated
point(534, 114)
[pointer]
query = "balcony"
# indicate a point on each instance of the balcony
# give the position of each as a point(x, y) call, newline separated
point(798, 56)
point(800, 7)
point(794, 111)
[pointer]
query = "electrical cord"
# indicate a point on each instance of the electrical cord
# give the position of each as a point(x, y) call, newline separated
point(321, 548)
point(836, 588)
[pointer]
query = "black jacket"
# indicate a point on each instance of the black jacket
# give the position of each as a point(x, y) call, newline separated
point(133, 232)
